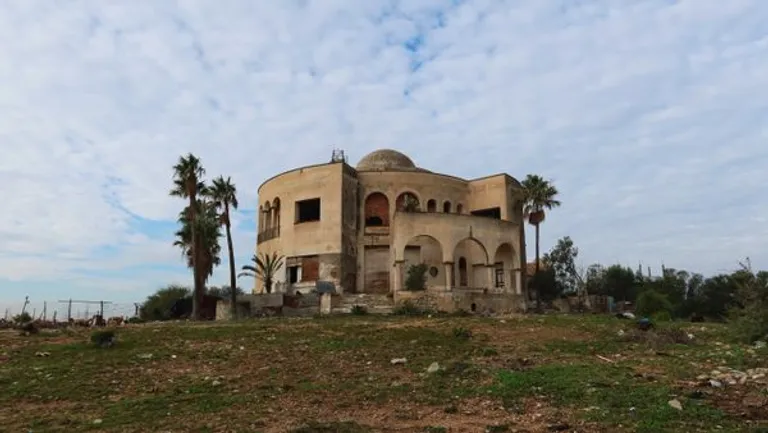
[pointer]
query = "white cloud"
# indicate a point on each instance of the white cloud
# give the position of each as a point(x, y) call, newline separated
point(649, 115)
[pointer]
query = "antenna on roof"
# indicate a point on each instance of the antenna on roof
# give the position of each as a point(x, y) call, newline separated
point(338, 156)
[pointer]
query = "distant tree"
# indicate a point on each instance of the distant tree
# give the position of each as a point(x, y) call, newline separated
point(620, 282)
point(539, 195)
point(223, 195)
point(594, 279)
point(187, 183)
point(158, 305)
point(547, 285)
point(562, 260)
point(651, 302)
point(750, 316)
point(265, 268)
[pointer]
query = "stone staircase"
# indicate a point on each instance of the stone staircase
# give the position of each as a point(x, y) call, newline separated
point(375, 304)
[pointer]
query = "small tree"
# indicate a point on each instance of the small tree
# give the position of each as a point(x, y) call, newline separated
point(417, 277)
point(265, 267)
point(651, 302)
point(750, 317)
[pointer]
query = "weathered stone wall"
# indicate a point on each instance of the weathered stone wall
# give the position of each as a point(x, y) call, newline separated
point(499, 303)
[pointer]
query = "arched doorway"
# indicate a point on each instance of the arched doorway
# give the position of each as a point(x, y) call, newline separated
point(504, 263)
point(471, 260)
point(424, 249)
point(447, 207)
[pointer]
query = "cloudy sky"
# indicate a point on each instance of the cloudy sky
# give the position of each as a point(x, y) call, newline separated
point(650, 116)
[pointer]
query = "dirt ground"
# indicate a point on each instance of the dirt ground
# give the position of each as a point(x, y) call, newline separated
point(342, 374)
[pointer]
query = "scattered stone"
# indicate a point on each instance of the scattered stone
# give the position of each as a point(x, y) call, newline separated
point(760, 344)
point(144, 356)
point(754, 400)
point(42, 354)
point(242, 348)
point(396, 361)
point(173, 356)
point(97, 421)
point(561, 426)
point(715, 383)
point(433, 368)
point(215, 383)
point(675, 403)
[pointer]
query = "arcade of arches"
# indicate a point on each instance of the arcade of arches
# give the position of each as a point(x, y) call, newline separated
point(470, 267)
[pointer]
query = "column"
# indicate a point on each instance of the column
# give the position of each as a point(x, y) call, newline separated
point(518, 274)
point(491, 285)
point(398, 283)
point(449, 280)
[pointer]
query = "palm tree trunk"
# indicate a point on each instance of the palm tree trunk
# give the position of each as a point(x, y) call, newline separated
point(232, 277)
point(537, 278)
point(197, 290)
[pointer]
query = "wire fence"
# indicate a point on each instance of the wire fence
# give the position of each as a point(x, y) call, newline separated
point(63, 309)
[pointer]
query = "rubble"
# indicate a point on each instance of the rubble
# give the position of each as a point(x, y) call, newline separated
point(730, 376)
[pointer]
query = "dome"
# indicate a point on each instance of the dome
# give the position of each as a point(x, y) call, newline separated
point(384, 160)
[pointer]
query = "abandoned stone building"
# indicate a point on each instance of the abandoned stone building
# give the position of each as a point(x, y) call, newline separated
point(361, 228)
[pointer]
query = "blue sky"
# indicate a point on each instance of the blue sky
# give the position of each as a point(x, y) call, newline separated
point(650, 116)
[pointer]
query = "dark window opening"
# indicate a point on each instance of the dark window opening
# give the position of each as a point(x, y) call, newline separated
point(463, 280)
point(431, 206)
point(293, 274)
point(473, 307)
point(499, 277)
point(374, 221)
point(494, 212)
point(447, 207)
point(308, 210)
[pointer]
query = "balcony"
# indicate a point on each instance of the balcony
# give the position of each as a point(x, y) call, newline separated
point(268, 234)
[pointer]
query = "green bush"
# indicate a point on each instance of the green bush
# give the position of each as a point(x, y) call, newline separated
point(359, 310)
point(103, 338)
point(408, 308)
point(462, 333)
point(651, 302)
point(158, 305)
point(22, 318)
point(661, 316)
point(417, 277)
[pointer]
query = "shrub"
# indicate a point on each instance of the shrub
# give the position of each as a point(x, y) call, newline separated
point(359, 310)
point(158, 305)
point(103, 338)
point(408, 308)
point(462, 333)
point(651, 302)
point(417, 277)
point(22, 318)
point(661, 316)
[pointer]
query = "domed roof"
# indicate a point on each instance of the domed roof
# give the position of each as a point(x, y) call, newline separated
point(386, 159)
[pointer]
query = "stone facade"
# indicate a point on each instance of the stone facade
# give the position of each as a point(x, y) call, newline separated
point(363, 227)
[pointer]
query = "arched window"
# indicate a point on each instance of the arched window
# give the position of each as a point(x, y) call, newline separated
point(459, 208)
point(377, 210)
point(276, 215)
point(431, 206)
point(447, 207)
point(408, 202)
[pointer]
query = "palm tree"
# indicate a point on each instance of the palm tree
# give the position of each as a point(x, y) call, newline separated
point(538, 195)
point(264, 267)
point(207, 232)
point(188, 184)
point(223, 195)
